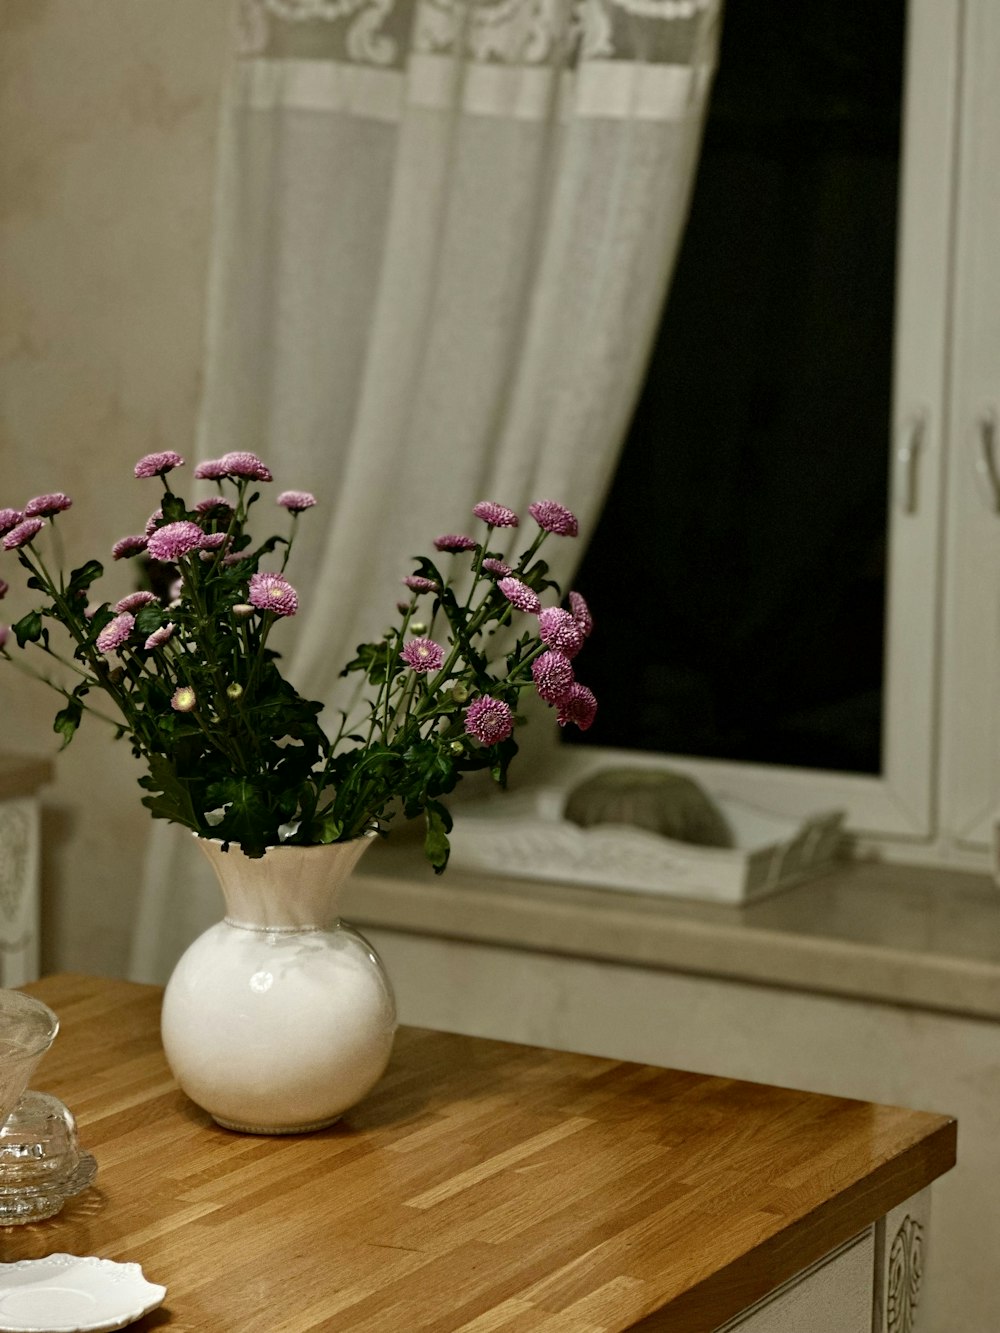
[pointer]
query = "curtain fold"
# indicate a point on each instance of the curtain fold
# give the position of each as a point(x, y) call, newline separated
point(444, 231)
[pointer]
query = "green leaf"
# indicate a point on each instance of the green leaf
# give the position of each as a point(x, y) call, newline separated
point(67, 720)
point(171, 799)
point(436, 845)
point(81, 579)
point(28, 629)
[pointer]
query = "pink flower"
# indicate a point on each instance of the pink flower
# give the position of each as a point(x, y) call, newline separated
point(9, 518)
point(580, 612)
point(4, 635)
point(44, 506)
point(423, 655)
point(126, 547)
point(454, 543)
point(216, 506)
point(135, 601)
point(175, 540)
point(211, 541)
point(24, 533)
point(497, 516)
point(520, 595)
point(183, 699)
point(4, 589)
point(153, 522)
point(489, 720)
point(296, 501)
point(247, 465)
point(160, 636)
point(553, 675)
point(271, 592)
point(115, 633)
point(158, 465)
point(496, 567)
point(212, 469)
point(578, 706)
point(557, 629)
point(419, 584)
point(553, 517)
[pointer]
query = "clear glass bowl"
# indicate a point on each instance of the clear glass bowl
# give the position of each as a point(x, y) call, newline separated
point(27, 1030)
point(41, 1165)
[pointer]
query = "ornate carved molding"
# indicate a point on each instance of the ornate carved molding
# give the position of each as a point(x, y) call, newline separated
point(906, 1266)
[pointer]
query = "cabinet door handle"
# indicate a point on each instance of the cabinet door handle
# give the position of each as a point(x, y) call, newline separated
point(987, 473)
point(909, 443)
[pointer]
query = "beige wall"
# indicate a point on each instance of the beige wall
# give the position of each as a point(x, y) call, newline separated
point(108, 112)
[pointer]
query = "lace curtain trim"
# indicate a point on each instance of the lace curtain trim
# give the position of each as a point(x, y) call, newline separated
point(384, 33)
point(613, 90)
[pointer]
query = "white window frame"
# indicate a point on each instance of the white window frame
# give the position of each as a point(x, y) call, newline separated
point(901, 803)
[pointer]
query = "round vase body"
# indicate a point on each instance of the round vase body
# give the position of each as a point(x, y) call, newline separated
point(279, 1018)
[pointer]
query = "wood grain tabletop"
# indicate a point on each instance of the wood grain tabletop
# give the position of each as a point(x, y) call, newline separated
point(482, 1186)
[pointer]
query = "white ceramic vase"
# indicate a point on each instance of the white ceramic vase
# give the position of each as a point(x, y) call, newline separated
point(279, 1018)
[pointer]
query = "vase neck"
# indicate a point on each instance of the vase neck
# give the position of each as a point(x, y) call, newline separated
point(286, 889)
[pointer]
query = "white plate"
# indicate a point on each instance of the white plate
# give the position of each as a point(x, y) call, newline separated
point(64, 1293)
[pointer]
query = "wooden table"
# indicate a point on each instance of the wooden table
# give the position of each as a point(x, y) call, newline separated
point(481, 1186)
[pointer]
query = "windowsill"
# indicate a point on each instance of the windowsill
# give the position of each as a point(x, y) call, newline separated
point(909, 935)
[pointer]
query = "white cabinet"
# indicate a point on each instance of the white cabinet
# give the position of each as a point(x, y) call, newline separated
point(835, 1295)
point(20, 878)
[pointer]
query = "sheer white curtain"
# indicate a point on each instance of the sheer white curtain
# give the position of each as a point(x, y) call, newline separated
point(444, 232)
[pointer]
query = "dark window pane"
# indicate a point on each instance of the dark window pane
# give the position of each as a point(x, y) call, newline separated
point(738, 571)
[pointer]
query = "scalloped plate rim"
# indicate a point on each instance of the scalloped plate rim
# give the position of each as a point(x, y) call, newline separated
point(138, 1295)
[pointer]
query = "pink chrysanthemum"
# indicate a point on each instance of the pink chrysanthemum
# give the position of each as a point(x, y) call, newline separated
point(520, 595)
point(153, 522)
point(4, 589)
point(44, 506)
point(496, 567)
point(157, 465)
point(423, 655)
point(554, 518)
point(240, 463)
point(216, 506)
point(4, 635)
point(126, 547)
point(557, 629)
point(296, 501)
point(454, 542)
point(552, 673)
point(580, 612)
point(212, 469)
point(135, 601)
point(183, 699)
point(160, 636)
point(419, 584)
point(497, 516)
point(26, 531)
point(578, 706)
point(175, 540)
point(115, 633)
point(272, 592)
point(489, 720)
point(211, 541)
point(9, 518)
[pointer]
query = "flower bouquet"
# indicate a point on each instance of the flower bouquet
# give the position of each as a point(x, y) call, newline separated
point(231, 750)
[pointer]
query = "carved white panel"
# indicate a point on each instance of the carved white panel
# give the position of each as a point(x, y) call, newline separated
point(19, 892)
point(901, 1257)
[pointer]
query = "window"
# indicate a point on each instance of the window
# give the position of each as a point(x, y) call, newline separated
point(795, 643)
